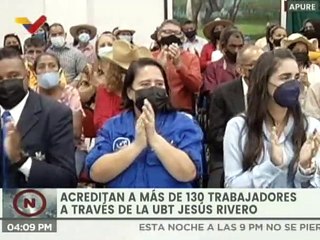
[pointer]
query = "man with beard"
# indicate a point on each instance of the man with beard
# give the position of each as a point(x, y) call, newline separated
point(224, 70)
point(194, 43)
point(182, 67)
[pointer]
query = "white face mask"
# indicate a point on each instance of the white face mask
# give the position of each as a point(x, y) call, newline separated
point(58, 41)
point(84, 37)
point(103, 51)
point(125, 38)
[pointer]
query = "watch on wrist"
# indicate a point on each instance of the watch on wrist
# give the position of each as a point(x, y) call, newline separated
point(23, 158)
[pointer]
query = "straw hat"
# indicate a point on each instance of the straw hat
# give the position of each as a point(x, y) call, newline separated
point(312, 44)
point(92, 29)
point(118, 30)
point(207, 30)
point(123, 53)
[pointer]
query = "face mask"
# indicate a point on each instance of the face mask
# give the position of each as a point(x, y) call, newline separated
point(48, 80)
point(127, 38)
point(301, 57)
point(58, 42)
point(41, 36)
point(216, 35)
point(277, 42)
point(287, 94)
point(191, 34)
point(232, 57)
point(156, 96)
point(104, 51)
point(12, 91)
point(310, 34)
point(84, 37)
point(16, 48)
point(170, 40)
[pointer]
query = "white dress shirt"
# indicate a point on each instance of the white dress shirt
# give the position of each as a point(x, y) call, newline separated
point(15, 113)
point(245, 92)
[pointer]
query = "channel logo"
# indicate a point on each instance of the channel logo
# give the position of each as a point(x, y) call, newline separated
point(31, 27)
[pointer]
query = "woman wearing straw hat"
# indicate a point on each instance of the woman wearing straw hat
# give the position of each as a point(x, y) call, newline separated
point(124, 34)
point(212, 31)
point(300, 46)
point(82, 35)
point(115, 65)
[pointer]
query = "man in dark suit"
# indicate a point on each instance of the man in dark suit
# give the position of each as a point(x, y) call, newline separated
point(37, 148)
point(227, 101)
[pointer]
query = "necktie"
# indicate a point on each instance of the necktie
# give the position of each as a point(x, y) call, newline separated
point(6, 117)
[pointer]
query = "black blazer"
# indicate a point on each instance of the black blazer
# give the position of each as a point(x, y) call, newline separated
point(226, 102)
point(46, 130)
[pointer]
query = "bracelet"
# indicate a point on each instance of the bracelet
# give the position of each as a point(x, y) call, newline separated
point(23, 158)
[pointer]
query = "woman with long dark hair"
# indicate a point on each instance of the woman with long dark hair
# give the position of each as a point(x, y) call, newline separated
point(273, 145)
point(150, 144)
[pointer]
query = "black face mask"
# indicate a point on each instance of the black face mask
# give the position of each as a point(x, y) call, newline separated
point(158, 98)
point(301, 57)
point(232, 57)
point(215, 36)
point(170, 40)
point(277, 42)
point(17, 47)
point(191, 34)
point(12, 91)
point(310, 34)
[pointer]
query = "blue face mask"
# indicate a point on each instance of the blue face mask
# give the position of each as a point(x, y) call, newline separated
point(48, 80)
point(287, 94)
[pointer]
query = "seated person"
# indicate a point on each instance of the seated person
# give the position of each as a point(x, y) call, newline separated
point(140, 148)
point(274, 145)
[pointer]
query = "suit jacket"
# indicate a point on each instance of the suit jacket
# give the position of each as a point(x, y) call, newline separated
point(46, 130)
point(226, 102)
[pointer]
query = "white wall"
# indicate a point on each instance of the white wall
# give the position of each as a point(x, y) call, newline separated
point(142, 15)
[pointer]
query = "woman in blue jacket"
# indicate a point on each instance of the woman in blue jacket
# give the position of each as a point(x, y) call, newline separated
point(150, 145)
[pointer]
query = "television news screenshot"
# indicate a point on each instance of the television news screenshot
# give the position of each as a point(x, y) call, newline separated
point(159, 119)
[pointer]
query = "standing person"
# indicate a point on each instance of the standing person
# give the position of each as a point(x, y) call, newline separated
point(183, 68)
point(274, 145)
point(37, 153)
point(308, 29)
point(212, 31)
point(108, 96)
point(139, 148)
point(300, 47)
point(193, 43)
point(227, 101)
point(34, 47)
point(275, 34)
point(72, 61)
point(47, 68)
point(83, 34)
point(125, 34)
point(12, 40)
point(224, 70)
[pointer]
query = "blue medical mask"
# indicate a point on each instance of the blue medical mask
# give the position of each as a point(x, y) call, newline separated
point(84, 37)
point(287, 94)
point(127, 38)
point(48, 80)
point(104, 51)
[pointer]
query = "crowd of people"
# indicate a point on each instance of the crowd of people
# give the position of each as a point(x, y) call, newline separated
point(187, 112)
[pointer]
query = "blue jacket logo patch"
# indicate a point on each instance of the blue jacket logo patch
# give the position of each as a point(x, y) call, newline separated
point(120, 143)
